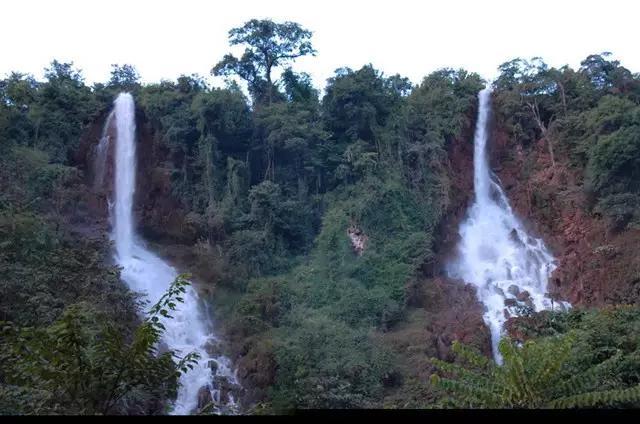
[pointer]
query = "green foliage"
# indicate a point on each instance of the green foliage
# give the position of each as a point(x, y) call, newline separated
point(445, 97)
point(532, 376)
point(82, 364)
point(590, 115)
point(69, 341)
point(271, 190)
point(606, 139)
point(609, 77)
point(326, 364)
point(274, 228)
point(290, 135)
point(268, 45)
point(358, 103)
point(61, 108)
point(355, 158)
point(574, 360)
point(45, 267)
point(124, 78)
point(202, 129)
point(298, 87)
point(612, 170)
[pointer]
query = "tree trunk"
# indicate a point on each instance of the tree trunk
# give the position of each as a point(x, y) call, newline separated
point(209, 171)
point(563, 97)
point(268, 74)
point(544, 130)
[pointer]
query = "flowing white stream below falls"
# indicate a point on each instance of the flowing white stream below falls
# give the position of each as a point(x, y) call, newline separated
point(189, 330)
point(509, 267)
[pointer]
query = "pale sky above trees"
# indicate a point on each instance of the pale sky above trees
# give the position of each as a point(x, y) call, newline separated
point(166, 38)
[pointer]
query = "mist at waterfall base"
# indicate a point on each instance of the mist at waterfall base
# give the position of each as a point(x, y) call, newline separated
point(143, 271)
point(509, 268)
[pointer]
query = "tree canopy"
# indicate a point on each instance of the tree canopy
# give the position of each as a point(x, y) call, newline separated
point(268, 45)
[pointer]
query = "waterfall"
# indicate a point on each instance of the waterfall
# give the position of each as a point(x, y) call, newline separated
point(143, 271)
point(102, 151)
point(125, 166)
point(509, 268)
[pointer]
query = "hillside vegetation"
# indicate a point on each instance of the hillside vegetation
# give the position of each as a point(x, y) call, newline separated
point(308, 216)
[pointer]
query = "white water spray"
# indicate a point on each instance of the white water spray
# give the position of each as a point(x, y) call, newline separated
point(509, 268)
point(145, 272)
point(102, 151)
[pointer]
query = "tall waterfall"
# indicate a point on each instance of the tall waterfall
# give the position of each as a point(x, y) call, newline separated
point(102, 150)
point(188, 330)
point(509, 267)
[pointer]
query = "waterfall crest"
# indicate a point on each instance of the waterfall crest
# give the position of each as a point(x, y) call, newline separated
point(143, 271)
point(509, 268)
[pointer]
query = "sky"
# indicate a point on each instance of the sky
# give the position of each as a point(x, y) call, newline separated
point(166, 38)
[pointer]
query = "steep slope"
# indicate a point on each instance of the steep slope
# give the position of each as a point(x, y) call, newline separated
point(597, 265)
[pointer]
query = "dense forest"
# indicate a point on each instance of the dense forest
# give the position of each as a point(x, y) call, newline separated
point(317, 226)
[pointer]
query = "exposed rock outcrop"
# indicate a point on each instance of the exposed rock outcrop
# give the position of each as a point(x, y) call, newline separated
point(204, 397)
point(158, 214)
point(454, 314)
point(596, 265)
point(358, 239)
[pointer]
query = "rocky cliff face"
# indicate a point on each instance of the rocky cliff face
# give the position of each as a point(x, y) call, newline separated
point(454, 312)
point(596, 264)
point(159, 216)
point(445, 310)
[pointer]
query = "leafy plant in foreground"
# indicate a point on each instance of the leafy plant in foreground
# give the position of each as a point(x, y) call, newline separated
point(534, 375)
point(82, 365)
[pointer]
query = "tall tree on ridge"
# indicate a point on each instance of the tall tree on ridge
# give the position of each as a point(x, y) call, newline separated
point(269, 45)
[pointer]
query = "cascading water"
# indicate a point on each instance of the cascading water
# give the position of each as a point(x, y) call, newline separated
point(509, 268)
point(102, 150)
point(145, 272)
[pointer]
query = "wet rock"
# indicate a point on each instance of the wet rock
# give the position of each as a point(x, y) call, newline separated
point(513, 290)
point(204, 397)
point(529, 304)
point(595, 265)
point(454, 314)
point(257, 369)
point(513, 235)
point(392, 379)
point(442, 348)
point(225, 388)
point(510, 303)
point(523, 296)
point(214, 366)
point(213, 347)
point(193, 225)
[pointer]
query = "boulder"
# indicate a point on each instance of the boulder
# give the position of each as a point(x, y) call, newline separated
point(204, 397)
point(523, 296)
point(213, 347)
point(509, 302)
point(214, 366)
point(358, 239)
point(529, 303)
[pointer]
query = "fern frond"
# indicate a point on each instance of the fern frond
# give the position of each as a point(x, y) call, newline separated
point(471, 356)
point(551, 362)
point(593, 399)
point(470, 394)
point(580, 381)
point(459, 371)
